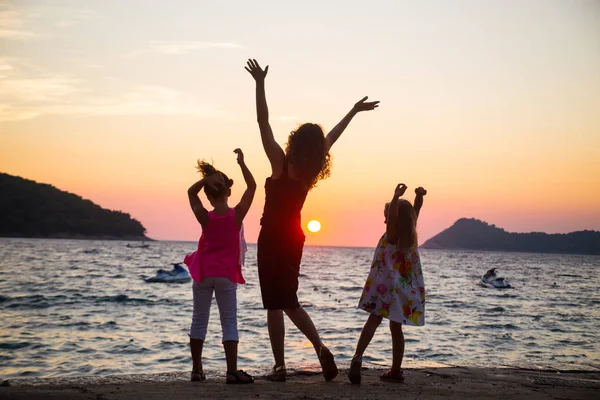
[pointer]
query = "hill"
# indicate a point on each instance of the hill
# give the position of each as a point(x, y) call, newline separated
point(473, 234)
point(31, 209)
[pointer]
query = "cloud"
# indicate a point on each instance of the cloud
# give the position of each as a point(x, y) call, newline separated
point(182, 47)
point(25, 95)
point(9, 113)
point(19, 23)
point(4, 68)
point(143, 99)
point(31, 90)
point(287, 118)
point(70, 18)
point(12, 24)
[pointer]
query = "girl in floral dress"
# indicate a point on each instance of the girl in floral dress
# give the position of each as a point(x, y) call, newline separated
point(394, 288)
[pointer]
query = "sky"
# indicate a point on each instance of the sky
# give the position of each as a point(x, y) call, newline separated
point(493, 107)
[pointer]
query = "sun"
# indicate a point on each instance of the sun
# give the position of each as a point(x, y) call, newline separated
point(314, 226)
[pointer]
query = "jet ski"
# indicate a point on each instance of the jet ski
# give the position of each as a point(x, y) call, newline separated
point(177, 275)
point(491, 280)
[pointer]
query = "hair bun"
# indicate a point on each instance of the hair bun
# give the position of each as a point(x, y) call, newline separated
point(230, 183)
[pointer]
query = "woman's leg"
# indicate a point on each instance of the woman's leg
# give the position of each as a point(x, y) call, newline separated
point(302, 320)
point(277, 335)
point(397, 346)
point(366, 335)
point(202, 293)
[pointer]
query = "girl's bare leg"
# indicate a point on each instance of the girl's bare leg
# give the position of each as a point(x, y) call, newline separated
point(397, 345)
point(196, 346)
point(366, 335)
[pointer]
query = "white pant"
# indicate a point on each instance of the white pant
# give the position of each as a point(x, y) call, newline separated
point(225, 293)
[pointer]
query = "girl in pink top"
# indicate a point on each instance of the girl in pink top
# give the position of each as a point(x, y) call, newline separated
point(216, 265)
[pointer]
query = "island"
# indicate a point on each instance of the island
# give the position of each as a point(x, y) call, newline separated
point(474, 234)
point(36, 210)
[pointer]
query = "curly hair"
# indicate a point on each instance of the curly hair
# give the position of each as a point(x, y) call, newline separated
point(307, 151)
point(207, 169)
point(406, 226)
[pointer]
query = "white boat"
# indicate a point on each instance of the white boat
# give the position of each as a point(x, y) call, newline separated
point(177, 275)
point(491, 280)
point(138, 246)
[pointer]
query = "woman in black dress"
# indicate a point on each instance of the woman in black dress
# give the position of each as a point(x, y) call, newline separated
point(305, 161)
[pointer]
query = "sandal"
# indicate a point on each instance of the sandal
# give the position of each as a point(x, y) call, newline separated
point(330, 370)
point(197, 375)
point(355, 369)
point(393, 376)
point(278, 375)
point(241, 378)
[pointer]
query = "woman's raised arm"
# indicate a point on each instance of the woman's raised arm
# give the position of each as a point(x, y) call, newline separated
point(274, 151)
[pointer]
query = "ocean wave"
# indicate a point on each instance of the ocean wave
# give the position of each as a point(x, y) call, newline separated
point(128, 348)
point(91, 251)
point(38, 301)
point(353, 289)
point(14, 345)
point(124, 299)
point(484, 326)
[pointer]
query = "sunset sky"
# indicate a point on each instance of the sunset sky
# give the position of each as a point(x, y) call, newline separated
point(492, 106)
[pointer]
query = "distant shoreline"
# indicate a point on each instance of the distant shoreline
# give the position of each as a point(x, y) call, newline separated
point(29, 209)
point(83, 237)
point(477, 235)
point(508, 251)
point(146, 239)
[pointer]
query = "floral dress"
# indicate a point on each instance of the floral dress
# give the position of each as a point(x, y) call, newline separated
point(395, 288)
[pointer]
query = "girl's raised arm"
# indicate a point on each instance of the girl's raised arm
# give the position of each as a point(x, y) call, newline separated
point(274, 151)
point(336, 132)
point(390, 228)
point(199, 211)
point(246, 201)
point(420, 192)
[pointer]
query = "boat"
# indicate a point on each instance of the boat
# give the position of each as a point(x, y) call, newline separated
point(492, 281)
point(138, 246)
point(177, 275)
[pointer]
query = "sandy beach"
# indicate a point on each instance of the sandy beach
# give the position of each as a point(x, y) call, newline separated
point(422, 383)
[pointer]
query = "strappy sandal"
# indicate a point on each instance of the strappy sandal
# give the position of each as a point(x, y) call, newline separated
point(327, 361)
point(278, 374)
point(197, 375)
point(393, 376)
point(355, 370)
point(241, 378)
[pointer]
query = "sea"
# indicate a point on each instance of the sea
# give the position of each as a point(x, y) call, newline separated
point(82, 307)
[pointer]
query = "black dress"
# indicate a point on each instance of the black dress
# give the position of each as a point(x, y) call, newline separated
point(281, 241)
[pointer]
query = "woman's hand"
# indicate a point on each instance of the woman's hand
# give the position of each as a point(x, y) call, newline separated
point(420, 191)
point(364, 105)
point(400, 189)
point(256, 71)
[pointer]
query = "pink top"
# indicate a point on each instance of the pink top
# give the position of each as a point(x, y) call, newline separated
point(218, 251)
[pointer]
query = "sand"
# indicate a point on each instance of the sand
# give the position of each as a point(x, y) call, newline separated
point(420, 383)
